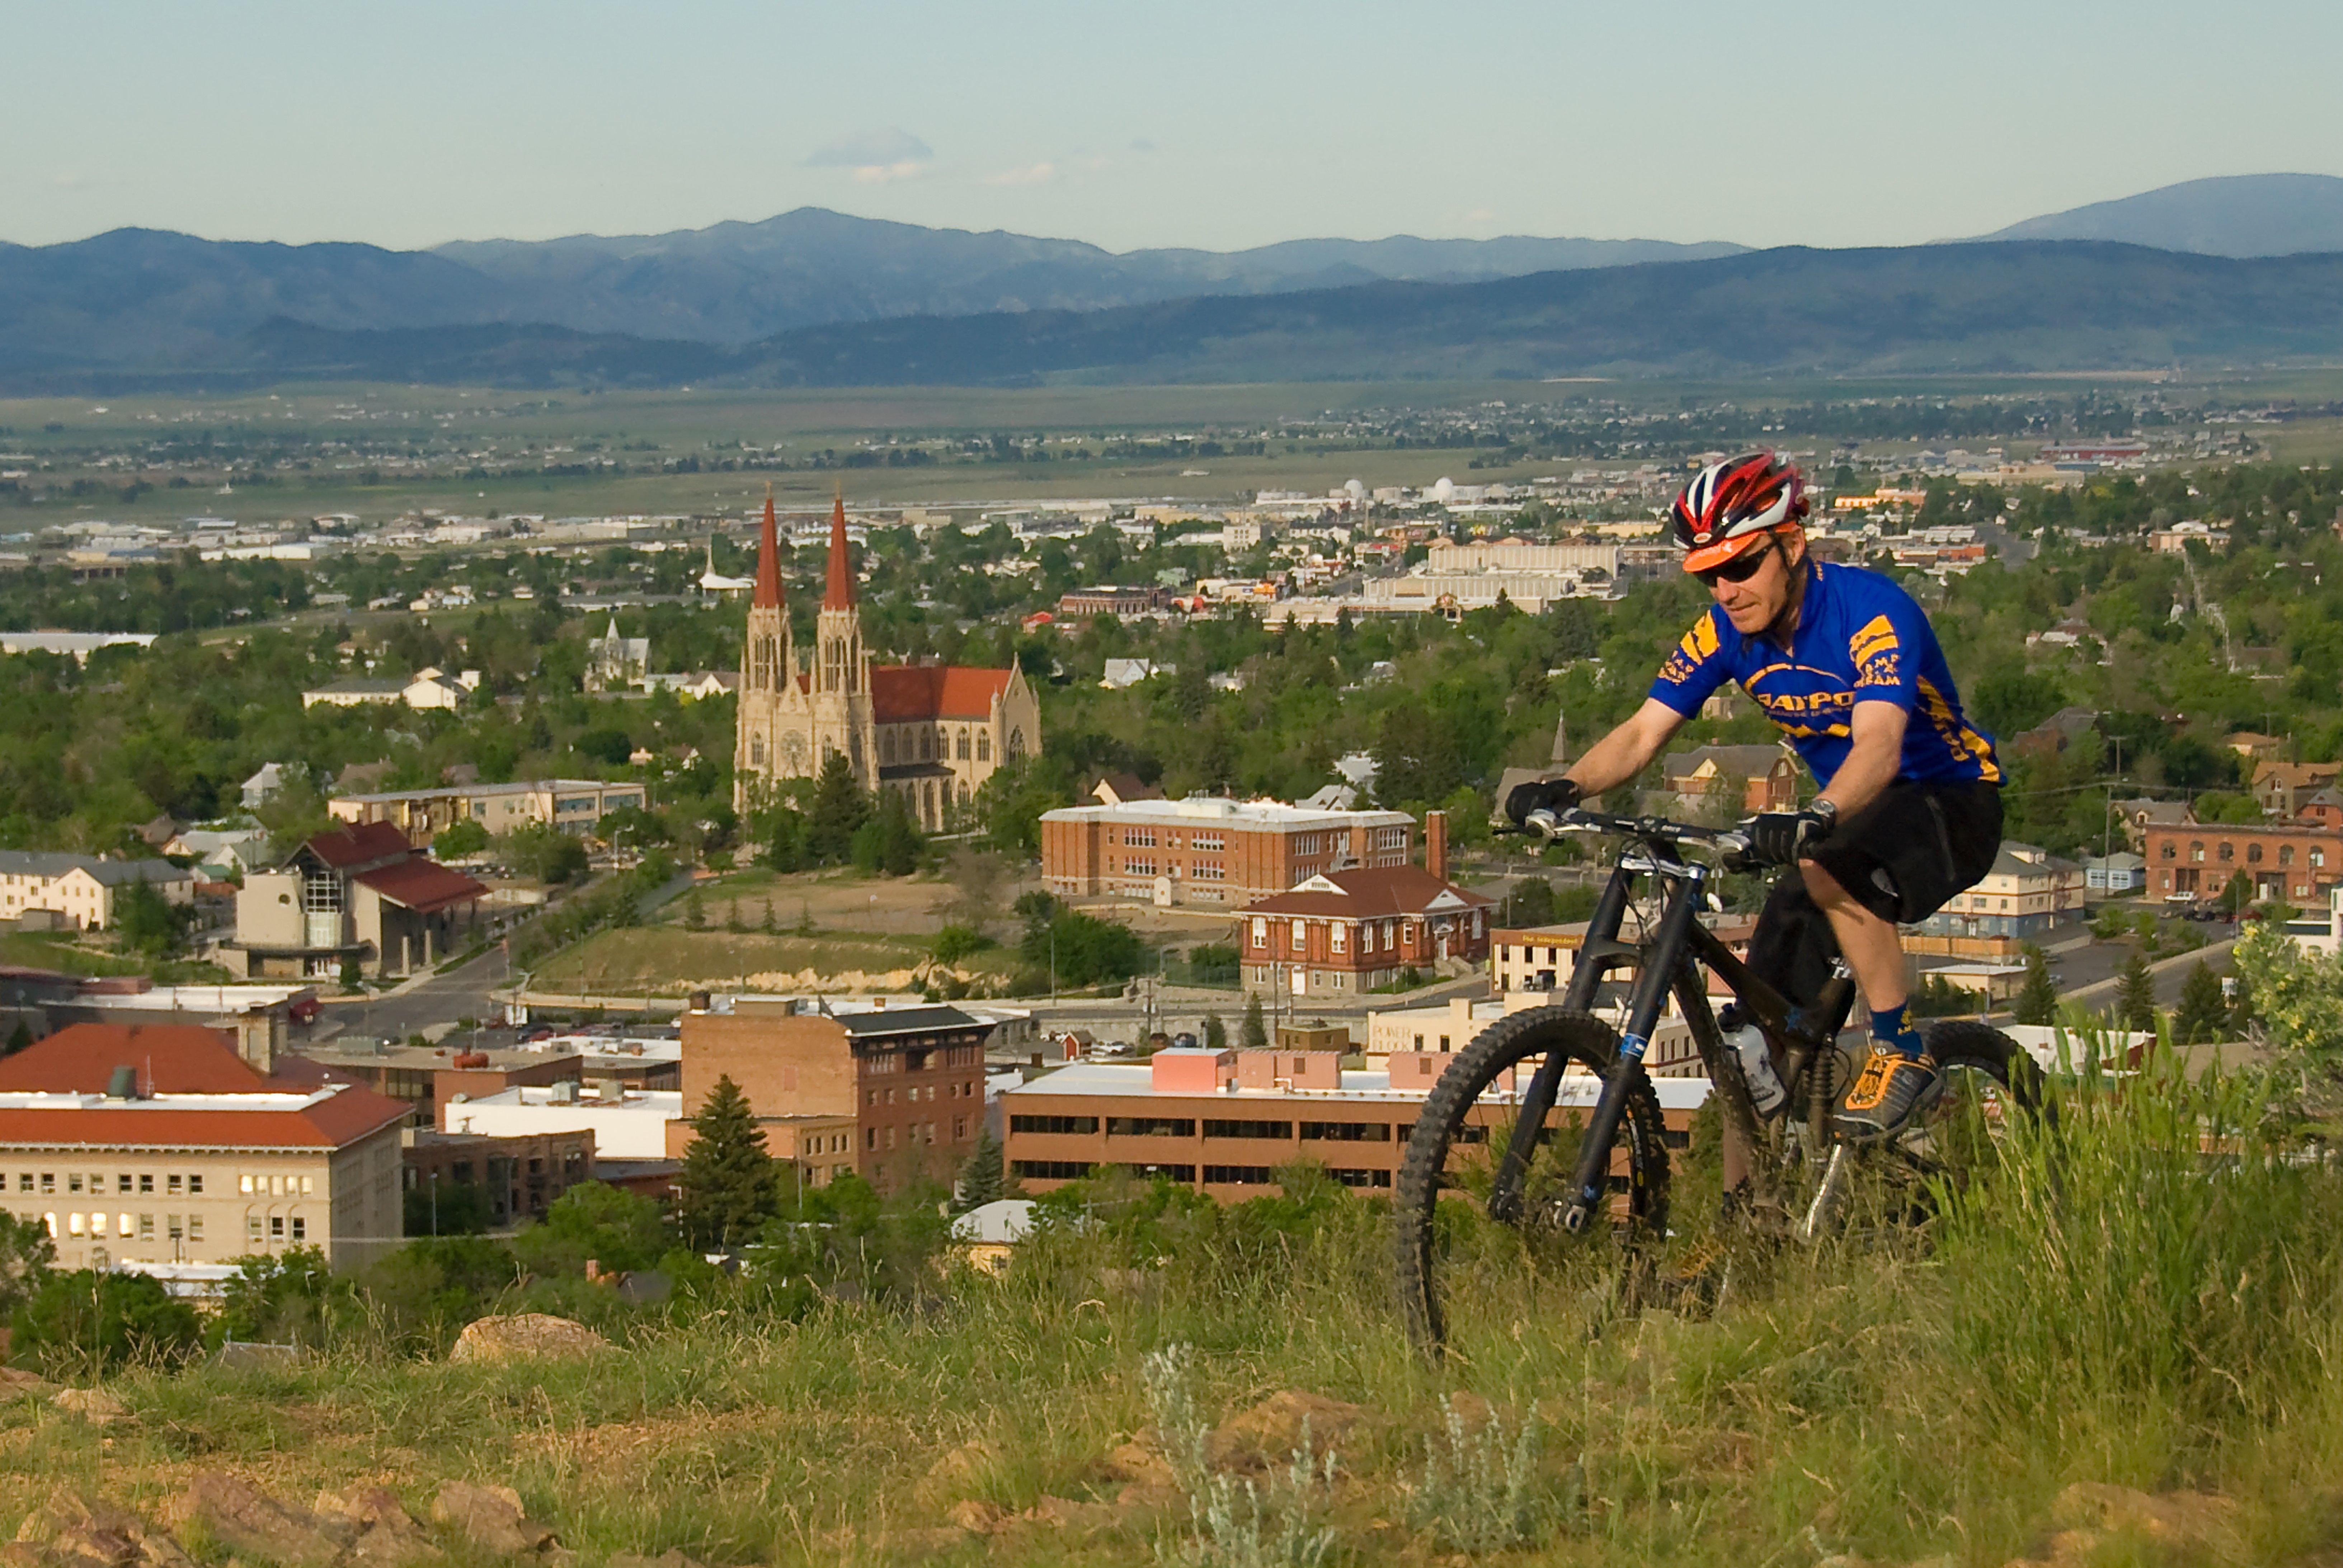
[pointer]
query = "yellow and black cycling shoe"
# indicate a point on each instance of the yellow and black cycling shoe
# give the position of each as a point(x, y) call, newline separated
point(1891, 1087)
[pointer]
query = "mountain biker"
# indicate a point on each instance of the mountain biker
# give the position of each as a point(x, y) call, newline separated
point(1846, 666)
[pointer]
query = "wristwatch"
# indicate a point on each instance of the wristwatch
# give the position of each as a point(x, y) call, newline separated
point(1827, 810)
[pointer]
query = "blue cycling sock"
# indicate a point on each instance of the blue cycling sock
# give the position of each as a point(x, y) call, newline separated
point(1894, 1030)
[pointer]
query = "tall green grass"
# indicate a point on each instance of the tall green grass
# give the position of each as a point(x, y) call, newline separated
point(2144, 1293)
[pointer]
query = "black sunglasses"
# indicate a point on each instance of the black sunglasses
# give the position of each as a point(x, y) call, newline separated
point(1739, 569)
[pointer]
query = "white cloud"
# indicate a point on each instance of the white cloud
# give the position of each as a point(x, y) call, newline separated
point(1039, 174)
point(876, 156)
point(881, 174)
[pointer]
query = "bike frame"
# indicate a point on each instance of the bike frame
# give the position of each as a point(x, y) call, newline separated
point(1666, 961)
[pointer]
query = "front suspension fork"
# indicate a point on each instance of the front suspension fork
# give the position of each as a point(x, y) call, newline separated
point(1652, 982)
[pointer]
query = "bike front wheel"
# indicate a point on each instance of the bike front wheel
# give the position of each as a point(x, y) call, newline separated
point(1468, 1122)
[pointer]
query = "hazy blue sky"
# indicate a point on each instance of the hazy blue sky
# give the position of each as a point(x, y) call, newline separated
point(1204, 124)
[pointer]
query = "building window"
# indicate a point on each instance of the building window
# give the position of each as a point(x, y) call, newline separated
point(146, 1227)
point(301, 1228)
point(2197, 851)
point(1300, 936)
point(1259, 932)
point(146, 1181)
point(2229, 851)
point(1339, 937)
point(195, 1227)
point(171, 1185)
point(2167, 851)
point(1082, 1125)
point(2253, 854)
point(276, 1227)
point(984, 745)
point(2286, 854)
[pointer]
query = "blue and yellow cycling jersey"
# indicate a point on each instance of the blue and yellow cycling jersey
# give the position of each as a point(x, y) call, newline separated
point(1860, 638)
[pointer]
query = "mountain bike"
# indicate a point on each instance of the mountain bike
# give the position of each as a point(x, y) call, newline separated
point(1609, 1184)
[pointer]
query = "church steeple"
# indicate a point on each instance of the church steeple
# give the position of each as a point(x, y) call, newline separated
point(768, 562)
point(837, 593)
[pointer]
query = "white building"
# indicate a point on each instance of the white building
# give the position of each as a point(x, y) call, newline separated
point(631, 1126)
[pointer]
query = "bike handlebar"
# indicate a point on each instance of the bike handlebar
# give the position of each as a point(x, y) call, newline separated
point(1733, 843)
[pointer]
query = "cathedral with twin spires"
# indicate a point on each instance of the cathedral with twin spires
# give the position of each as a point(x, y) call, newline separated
point(932, 734)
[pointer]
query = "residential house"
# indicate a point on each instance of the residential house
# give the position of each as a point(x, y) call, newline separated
point(2138, 816)
point(2283, 788)
point(2116, 875)
point(147, 1147)
point(2027, 890)
point(360, 893)
point(1738, 780)
point(1115, 788)
point(2054, 734)
point(81, 892)
point(234, 850)
point(265, 785)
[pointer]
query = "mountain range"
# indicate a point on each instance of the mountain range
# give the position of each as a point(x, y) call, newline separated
point(815, 297)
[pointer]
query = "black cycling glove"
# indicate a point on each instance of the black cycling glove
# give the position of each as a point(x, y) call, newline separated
point(1779, 837)
point(1557, 795)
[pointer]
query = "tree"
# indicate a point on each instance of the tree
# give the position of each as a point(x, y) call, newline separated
point(732, 918)
point(447, 1209)
point(18, 1037)
point(2203, 1015)
point(985, 1176)
point(839, 807)
point(87, 1323)
point(1254, 1034)
point(2037, 999)
point(544, 852)
point(2136, 994)
point(353, 978)
point(26, 1255)
point(147, 922)
point(1216, 1033)
point(458, 840)
point(727, 1185)
point(771, 926)
point(617, 1229)
point(2237, 894)
point(888, 842)
point(287, 1299)
point(695, 913)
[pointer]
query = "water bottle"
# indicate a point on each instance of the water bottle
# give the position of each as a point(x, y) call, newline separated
point(1766, 1092)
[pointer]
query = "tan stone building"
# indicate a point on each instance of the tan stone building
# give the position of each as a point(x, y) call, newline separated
point(358, 892)
point(162, 1144)
point(932, 734)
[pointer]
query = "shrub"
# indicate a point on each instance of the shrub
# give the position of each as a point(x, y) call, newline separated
point(84, 1324)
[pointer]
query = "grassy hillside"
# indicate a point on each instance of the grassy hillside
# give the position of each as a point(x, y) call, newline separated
point(2115, 1337)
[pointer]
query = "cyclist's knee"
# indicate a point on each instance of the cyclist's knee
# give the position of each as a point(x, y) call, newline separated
point(1823, 888)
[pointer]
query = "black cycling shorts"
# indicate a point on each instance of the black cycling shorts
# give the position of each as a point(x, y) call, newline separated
point(1903, 856)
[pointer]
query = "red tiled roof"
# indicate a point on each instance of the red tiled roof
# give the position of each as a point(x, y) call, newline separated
point(337, 1119)
point(902, 692)
point(837, 593)
point(175, 1059)
point(171, 1058)
point(769, 564)
point(1370, 894)
point(359, 843)
point(422, 885)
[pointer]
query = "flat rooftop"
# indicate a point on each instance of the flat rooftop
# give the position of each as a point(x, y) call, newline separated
point(1204, 810)
point(1117, 1079)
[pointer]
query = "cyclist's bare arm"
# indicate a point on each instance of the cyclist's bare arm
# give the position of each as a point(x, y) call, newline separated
point(1628, 749)
point(1874, 758)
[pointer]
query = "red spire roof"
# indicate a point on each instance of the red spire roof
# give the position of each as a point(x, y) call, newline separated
point(769, 564)
point(838, 593)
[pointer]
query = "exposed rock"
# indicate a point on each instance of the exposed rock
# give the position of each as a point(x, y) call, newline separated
point(387, 1535)
point(976, 1516)
point(1269, 1433)
point(1139, 1464)
point(492, 1519)
point(1067, 1513)
point(69, 1531)
point(959, 1471)
point(94, 1405)
point(16, 1382)
point(511, 1334)
point(674, 1557)
point(2176, 1516)
point(251, 1522)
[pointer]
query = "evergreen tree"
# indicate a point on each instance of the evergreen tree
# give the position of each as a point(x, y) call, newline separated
point(1216, 1033)
point(695, 915)
point(2203, 1015)
point(770, 925)
point(2136, 994)
point(732, 918)
point(985, 1176)
point(18, 1037)
point(727, 1185)
point(839, 807)
point(1254, 1034)
point(2038, 1000)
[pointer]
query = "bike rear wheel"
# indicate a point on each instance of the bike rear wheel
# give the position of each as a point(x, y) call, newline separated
point(1459, 1140)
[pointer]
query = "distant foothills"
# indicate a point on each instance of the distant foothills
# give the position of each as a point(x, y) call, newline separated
point(2243, 270)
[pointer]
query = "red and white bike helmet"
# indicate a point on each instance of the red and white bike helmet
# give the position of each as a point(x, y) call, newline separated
point(1729, 507)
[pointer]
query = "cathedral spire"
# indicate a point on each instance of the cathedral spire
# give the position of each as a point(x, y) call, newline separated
point(769, 561)
point(839, 592)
